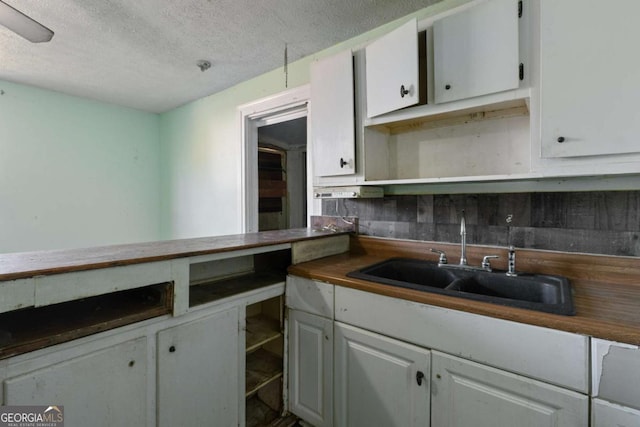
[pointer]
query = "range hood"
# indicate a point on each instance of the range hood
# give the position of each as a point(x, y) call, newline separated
point(350, 192)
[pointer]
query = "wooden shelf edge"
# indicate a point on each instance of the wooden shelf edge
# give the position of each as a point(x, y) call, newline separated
point(448, 109)
point(263, 367)
point(260, 330)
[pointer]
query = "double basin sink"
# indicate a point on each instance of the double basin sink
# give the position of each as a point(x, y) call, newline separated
point(550, 294)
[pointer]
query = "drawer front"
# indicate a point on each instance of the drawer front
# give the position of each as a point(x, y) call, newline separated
point(310, 296)
point(16, 294)
point(549, 355)
point(607, 414)
point(58, 288)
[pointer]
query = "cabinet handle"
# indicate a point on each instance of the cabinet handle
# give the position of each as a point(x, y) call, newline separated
point(561, 139)
point(419, 377)
point(447, 87)
point(403, 91)
point(343, 163)
point(172, 349)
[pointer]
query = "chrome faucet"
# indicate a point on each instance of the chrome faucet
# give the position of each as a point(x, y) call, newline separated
point(463, 240)
point(442, 262)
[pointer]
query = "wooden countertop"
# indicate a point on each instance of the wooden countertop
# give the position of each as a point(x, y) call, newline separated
point(606, 289)
point(28, 264)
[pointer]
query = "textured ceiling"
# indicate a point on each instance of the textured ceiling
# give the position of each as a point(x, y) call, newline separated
point(143, 53)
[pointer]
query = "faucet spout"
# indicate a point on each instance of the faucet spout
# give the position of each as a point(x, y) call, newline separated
point(463, 240)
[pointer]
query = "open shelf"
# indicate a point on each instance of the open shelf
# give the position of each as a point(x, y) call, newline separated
point(33, 328)
point(259, 413)
point(217, 289)
point(261, 329)
point(511, 108)
point(263, 368)
point(442, 112)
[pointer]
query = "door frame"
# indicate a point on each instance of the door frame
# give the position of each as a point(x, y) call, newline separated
point(284, 106)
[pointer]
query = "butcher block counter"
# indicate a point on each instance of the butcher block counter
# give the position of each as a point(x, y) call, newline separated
point(606, 289)
point(51, 297)
point(28, 264)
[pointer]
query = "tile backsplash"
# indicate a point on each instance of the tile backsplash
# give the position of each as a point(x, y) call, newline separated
point(601, 222)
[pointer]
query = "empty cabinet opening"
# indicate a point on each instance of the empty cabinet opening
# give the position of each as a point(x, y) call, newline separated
point(33, 328)
point(213, 280)
point(264, 362)
point(490, 141)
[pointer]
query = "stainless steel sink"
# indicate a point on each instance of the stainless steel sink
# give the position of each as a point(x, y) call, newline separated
point(551, 294)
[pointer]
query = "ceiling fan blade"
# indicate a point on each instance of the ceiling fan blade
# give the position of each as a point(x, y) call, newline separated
point(22, 25)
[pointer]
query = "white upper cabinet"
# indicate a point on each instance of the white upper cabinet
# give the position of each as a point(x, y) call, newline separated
point(589, 77)
point(476, 51)
point(332, 115)
point(392, 73)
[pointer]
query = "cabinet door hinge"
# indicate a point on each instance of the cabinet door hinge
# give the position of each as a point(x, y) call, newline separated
point(521, 71)
point(520, 9)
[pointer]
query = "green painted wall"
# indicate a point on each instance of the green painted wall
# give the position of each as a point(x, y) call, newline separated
point(201, 145)
point(75, 172)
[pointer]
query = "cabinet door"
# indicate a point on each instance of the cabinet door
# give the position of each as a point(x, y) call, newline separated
point(198, 372)
point(476, 51)
point(392, 70)
point(467, 394)
point(311, 367)
point(606, 414)
point(589, 77)
point(104, 388)
point(332, 116)
point(379, 381)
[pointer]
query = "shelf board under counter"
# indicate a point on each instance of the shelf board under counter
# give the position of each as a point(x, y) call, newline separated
point(30, 329)
point(261, 330)
point(206, 292)
point(263, 367)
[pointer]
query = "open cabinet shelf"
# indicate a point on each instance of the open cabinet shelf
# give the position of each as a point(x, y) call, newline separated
point(264, 365)
point(33, 328)
point(261, 330)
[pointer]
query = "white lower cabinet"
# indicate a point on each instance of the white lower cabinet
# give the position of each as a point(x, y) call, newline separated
point(198, 372)
point(311, 367)
point(106, 387)
point(606, 414)
point(379, 381)
point(468, 394)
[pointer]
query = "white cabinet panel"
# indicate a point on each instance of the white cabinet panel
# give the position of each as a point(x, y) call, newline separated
point(104, 388)
point(332, 115)
point(198, 372)
point(476, 51)
point(516, 347)
point(379, 381)
point(392, 70)
point(467, 394)
point(310, 296)
point(606, 414)
point(311, 368)
point(589, 77)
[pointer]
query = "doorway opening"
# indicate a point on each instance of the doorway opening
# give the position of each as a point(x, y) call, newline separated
point(282, 175)
point(277, 180)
